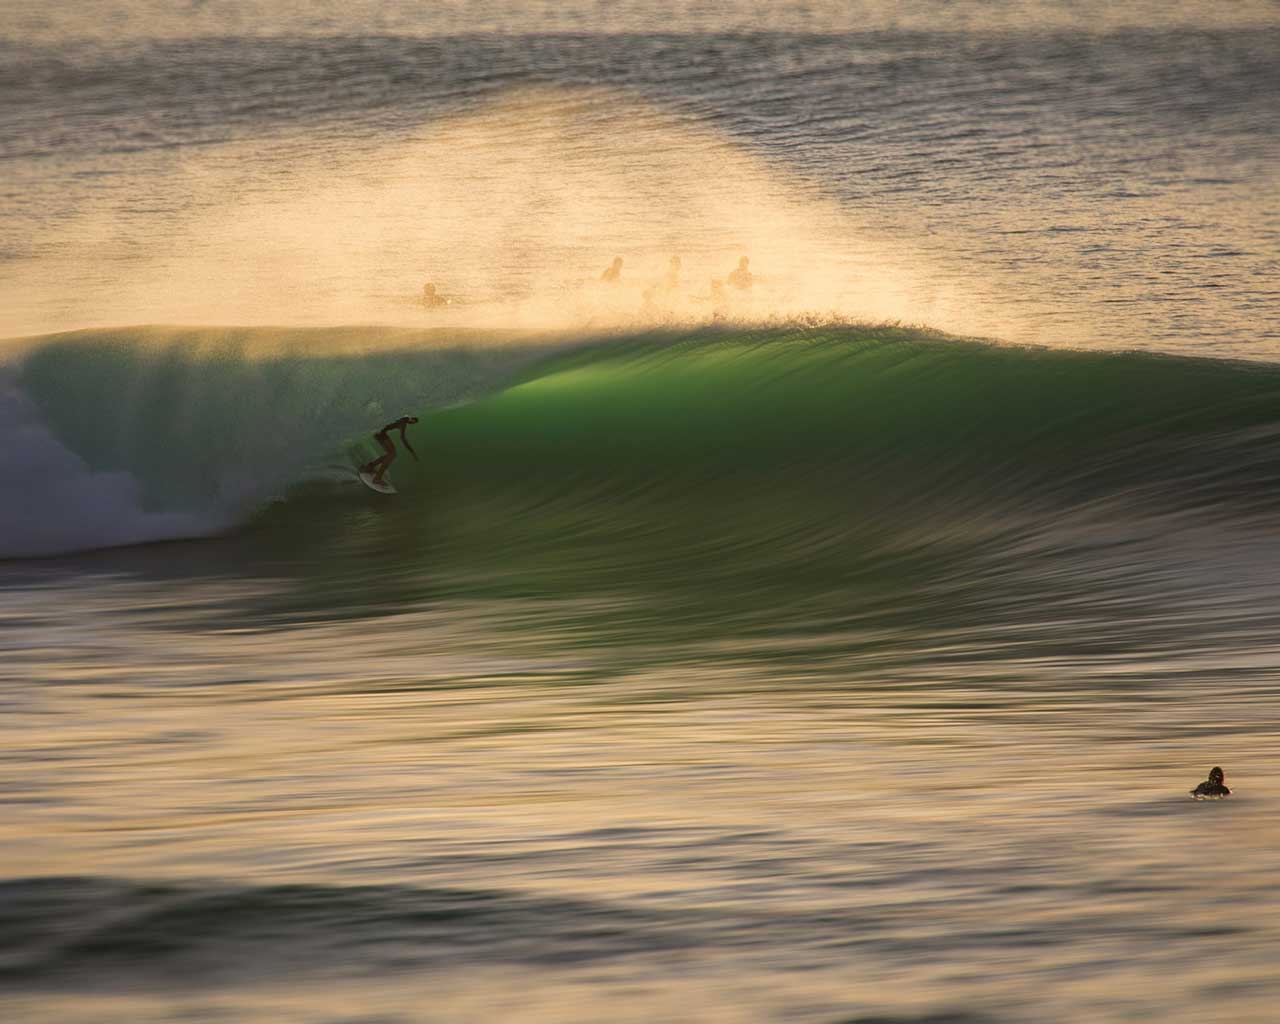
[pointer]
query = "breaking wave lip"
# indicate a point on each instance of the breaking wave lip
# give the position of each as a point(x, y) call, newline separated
point(151, 434)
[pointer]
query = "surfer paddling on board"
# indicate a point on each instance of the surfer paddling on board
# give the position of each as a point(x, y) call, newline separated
point(377, 468)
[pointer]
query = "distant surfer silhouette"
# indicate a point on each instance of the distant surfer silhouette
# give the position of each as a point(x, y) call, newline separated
point(741, 278)
point(377, 468)
point(613, 273)
point(1214, 787)
point(431, 298)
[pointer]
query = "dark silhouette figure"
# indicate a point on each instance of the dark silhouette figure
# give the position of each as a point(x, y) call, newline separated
point(431, 298)
point(741, 277)
point(378, 467)
point(614, 273)
point(1214, 787)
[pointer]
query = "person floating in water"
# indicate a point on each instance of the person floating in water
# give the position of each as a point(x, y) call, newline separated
point(613, 274)
point(431, 298)
point(377, 468)
point(741, 278)
point(1214, 787)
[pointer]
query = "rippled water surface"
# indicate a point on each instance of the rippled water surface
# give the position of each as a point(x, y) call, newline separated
point(614, 805)
point(1044, 178)
point(698, 678)
point(727, 657)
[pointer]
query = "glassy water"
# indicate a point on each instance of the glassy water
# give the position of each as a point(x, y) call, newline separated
point(723, 658)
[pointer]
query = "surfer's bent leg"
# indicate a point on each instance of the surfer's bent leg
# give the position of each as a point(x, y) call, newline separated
point(386, 461)
point(379, 465)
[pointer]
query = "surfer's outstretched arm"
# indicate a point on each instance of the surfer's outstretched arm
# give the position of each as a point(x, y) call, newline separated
point(405, 441)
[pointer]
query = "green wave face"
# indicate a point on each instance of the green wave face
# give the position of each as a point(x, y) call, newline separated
point(667, 455)
point(750, 458)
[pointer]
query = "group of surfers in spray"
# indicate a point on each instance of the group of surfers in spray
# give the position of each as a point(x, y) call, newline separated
point(739, 280)
point(740, 277)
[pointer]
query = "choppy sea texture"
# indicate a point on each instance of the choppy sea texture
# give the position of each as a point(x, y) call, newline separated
point(1054, 177)
point(727, 656)
point(710, 676)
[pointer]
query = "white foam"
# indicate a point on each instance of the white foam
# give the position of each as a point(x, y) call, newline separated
point(52, 503)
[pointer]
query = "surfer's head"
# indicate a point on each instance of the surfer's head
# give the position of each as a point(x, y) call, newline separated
point(1216, 776)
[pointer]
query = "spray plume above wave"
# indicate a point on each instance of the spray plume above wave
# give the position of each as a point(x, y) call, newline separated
point(722, 658)
point(510, 206)
point(512, 209)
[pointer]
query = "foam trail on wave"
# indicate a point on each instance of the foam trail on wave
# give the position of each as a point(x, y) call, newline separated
point(51, 502)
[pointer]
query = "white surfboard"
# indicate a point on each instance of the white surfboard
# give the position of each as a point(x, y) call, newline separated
point(382, 488)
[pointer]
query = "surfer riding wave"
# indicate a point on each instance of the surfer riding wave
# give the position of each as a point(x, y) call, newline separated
point(377, 468)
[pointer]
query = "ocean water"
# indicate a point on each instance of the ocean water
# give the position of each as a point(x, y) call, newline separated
point(838, 650)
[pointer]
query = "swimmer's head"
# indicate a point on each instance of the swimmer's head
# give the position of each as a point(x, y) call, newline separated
point(742, 263)
point(1216, 776)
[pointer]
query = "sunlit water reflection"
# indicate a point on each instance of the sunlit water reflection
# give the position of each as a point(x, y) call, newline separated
point(559, 809)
